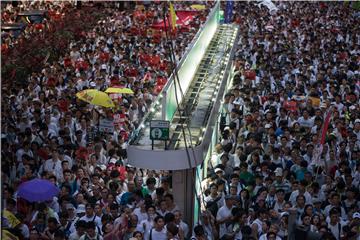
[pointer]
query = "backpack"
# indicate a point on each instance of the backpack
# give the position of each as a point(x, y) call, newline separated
point(98, 228)
point(212, 206)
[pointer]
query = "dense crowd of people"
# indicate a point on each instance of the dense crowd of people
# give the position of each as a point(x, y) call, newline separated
point(270, 178)
point(48, 133)
point(279, 172)
point(10, 10)
point(10, 15)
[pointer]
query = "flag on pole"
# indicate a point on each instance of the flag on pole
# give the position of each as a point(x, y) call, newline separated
point(316, 159)
point(6, 235)
point(12, 220)
point(173, 16)
point(325, 126)
point(229, 11)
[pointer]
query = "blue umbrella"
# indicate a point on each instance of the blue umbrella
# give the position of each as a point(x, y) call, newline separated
point(38, 190)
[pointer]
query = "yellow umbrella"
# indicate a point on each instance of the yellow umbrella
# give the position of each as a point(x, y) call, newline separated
point(95, 97)
point(119, 90)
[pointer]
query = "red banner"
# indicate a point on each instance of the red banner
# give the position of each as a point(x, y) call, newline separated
point(184, 18)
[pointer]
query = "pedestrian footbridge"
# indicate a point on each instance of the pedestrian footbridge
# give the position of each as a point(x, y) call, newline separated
point(192, 110)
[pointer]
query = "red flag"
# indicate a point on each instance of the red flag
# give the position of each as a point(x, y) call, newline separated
point(325, 126)
point(250, 74)
point(147, 77)
point(290, 105)
point(316, 159)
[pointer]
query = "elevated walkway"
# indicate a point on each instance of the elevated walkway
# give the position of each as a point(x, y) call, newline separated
point(197, 111)
point(199, 100)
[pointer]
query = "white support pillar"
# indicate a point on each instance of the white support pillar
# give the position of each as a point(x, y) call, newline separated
point(183, 190)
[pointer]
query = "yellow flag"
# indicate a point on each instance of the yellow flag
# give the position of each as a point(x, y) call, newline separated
point(13, 221)
point(173, 16)
point(140, 7)
point(6, 235)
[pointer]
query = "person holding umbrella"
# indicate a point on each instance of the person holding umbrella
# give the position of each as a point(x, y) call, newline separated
point(43, 209)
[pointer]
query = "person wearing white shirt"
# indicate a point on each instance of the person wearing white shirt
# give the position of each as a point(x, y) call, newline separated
point(269, 235)
point(181, 224)
point(224, 216)
point(257, 224)
point(140, 212)
point(80, 138)
point(80, 230)
point(90, 216)
point(208, 226)
point(46, 133)
point(100, 157)
point(300, 191)
point(53, 129)
point(158, 232)
point(151, 185)
point(335, 203)
point(25, 150)
point(64, 157)
point(43, 208)
point(338, 103)
point(53, 165)
point(145, 225)
point(240, 226)
point(334, 225)
point(200, 233)
point(91, 233)
point(280, 200)
point(214, 196)
point(305, 120)
point(25, 231)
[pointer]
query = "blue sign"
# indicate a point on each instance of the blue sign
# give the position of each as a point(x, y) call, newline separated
point(229, 11)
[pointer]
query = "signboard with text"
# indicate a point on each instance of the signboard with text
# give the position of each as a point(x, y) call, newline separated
point(106, 125)
point(159, 130)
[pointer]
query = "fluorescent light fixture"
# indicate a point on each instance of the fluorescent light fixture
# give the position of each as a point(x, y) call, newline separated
point(189, 66)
